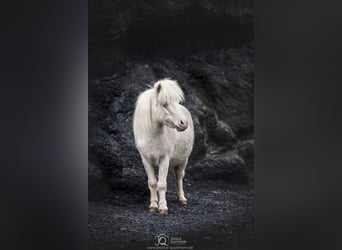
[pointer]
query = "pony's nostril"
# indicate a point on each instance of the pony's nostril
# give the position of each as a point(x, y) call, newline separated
point(183, 124)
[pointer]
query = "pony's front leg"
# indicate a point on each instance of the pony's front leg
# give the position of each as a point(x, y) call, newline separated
point(180, 192)
point(152, 184)
point(162, 185)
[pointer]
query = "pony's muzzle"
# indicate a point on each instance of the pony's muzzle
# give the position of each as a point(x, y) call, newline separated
point(183, 125)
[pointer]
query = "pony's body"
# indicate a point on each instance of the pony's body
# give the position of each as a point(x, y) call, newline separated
point(164, 134)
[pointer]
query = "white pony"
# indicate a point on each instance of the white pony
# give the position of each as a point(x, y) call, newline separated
point(164, 135)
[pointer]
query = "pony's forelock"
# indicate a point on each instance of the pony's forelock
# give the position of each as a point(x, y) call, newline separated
point(167, 91)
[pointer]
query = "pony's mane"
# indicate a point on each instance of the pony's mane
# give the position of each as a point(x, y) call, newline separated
point(142, 114)
point(164, 91)
point(168, 91)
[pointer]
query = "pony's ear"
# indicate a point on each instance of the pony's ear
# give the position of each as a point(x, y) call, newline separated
point(158, 88)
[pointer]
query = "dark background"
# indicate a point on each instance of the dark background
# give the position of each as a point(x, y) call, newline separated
point(44, 125)
point(208, 47)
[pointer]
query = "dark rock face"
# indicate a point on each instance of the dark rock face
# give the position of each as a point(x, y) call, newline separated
point(111, 19)
point(207, 46)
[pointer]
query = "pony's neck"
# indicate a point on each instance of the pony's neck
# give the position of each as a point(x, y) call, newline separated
point(157, 128)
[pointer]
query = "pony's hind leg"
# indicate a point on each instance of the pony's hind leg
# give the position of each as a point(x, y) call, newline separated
point(180, 172)
point(152, 185)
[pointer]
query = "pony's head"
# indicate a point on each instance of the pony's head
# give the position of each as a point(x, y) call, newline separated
point(167, 107)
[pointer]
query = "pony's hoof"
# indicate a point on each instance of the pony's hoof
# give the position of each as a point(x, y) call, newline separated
point(152, 209)
point(183, 202)
point(163, 211)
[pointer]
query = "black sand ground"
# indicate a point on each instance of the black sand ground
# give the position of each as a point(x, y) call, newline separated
point(218, 216)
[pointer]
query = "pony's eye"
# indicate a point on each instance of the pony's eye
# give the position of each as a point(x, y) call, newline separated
point(165, 105)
